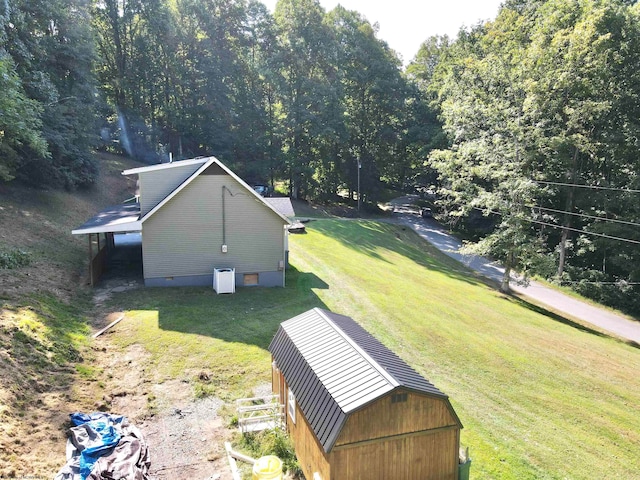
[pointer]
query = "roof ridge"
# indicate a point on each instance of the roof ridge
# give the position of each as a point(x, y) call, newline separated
point(207, 163)
point(388, 376)
point(163, 166)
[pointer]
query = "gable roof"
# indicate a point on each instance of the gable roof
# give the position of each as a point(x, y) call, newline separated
point(125, 218)
point(335, 367)
point(207, 162)
point(281, 204)
point(165, 166)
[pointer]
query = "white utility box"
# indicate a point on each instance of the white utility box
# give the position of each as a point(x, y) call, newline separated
point(224, 280)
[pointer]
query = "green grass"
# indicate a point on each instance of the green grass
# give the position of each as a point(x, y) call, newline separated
point(540, 397)
point(217, 342)
point(39, 340)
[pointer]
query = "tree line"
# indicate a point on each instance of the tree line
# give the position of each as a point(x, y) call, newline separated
point(527, 125)
point(301, 95)
point(541, 107)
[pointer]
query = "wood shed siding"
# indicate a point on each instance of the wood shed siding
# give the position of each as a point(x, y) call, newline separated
point(185, 236)
point(384, 418)
point(156, 185)
point(308, 450)
point(430, 456)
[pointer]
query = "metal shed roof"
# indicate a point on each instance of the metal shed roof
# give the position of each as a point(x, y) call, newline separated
point(334, 367)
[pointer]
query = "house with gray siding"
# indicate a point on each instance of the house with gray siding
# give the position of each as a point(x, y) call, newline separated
point(195, 216)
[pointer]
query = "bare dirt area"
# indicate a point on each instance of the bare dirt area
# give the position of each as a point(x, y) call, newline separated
point(185, 435)
point(49, 371)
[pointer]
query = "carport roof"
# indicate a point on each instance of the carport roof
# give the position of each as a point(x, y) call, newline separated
point(115, 219)
point(282, 205)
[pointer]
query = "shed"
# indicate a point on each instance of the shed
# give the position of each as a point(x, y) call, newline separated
point(195, 216)
point(355, 410)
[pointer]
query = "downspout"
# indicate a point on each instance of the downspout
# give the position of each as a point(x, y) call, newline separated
point(224, 232)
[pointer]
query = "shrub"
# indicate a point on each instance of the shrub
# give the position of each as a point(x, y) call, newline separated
point(273, 442)
point(14, 259)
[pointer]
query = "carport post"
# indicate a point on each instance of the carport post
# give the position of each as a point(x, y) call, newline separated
point(359, 167)
point(90, 260)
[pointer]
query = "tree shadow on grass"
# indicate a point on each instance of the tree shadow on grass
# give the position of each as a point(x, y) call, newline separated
point(250, 316)
point(566, 321)
point(373, 237)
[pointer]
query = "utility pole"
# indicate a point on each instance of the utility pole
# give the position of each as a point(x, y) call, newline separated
point(359, 167)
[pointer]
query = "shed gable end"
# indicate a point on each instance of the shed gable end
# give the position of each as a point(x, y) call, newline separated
point(387, 418)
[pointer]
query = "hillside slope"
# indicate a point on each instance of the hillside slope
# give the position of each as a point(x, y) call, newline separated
point(44, 308)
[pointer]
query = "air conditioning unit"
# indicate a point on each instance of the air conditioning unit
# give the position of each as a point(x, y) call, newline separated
point(224, 280)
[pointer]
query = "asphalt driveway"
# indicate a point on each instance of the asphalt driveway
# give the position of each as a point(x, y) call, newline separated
point(432, 231)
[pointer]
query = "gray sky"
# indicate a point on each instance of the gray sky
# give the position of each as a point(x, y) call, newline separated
point(405, 24)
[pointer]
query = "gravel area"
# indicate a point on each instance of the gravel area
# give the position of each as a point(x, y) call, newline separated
point(188, 442)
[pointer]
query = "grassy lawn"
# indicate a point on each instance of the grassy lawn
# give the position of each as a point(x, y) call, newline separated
point(540, 397)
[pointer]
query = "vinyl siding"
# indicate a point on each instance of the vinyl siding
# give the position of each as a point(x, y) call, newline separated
point(185, 236)
point(156, 185)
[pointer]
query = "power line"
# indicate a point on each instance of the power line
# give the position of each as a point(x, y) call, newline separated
point(602, 235)
point(592, 187)
point(586, 216)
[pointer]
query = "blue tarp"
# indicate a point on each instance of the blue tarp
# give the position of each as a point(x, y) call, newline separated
point(102, 437)
point(102, 445)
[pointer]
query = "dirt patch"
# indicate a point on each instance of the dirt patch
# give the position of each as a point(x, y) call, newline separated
point(187, 441)
point(107, 288)
point(185, 435)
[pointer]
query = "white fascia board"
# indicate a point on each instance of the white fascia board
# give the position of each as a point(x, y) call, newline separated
point(253, 192)
point(164, 166)
point(117, 228)
point(207, 162)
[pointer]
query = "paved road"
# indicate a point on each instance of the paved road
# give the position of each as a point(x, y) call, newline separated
point(559, 302)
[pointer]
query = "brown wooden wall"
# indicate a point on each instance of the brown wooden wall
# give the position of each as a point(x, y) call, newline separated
point(98, 256)
point(310, 454)
point(413, 440)
point(425, 456)
point(384, 418)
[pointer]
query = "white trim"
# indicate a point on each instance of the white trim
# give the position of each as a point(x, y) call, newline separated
point(291, 404)
point(208, 162)
point(135, 226)
point(163, 166)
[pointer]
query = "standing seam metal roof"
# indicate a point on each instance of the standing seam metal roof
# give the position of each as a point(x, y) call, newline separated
point(334, 367)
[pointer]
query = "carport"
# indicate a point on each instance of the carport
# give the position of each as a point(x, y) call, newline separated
point(114, 226)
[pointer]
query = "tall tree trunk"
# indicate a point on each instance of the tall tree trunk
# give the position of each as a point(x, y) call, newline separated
point(120, 53)
point(506, 278)
point(567, 218)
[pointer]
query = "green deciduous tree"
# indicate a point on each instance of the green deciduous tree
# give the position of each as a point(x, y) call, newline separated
point(535, 102)
point(20, 122)
point(51, 53)
point(488, 167)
